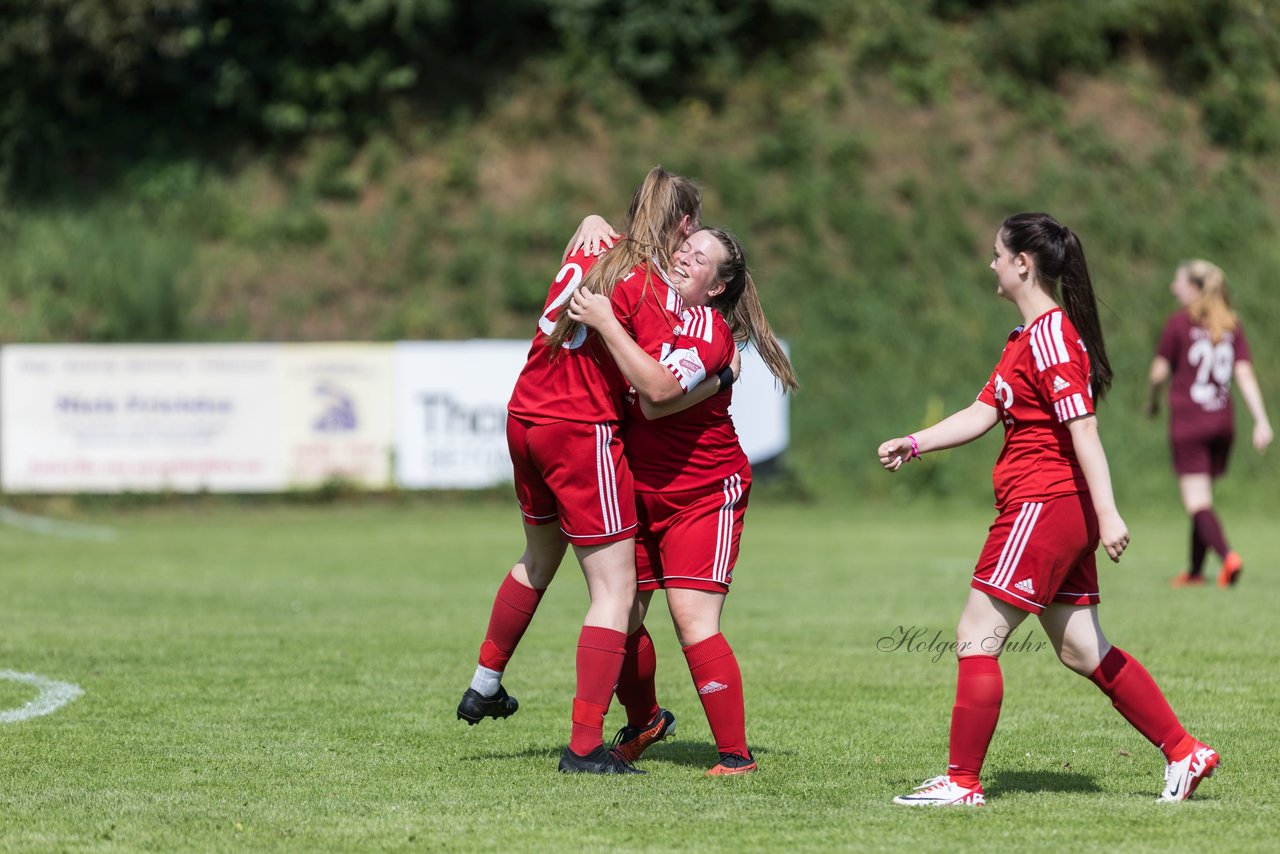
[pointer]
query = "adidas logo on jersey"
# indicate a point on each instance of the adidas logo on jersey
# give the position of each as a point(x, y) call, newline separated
point(712, 687)
point(1026, 587)
point(1060, 384)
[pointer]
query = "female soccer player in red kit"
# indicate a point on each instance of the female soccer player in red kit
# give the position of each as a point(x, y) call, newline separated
point(572, 481)
point(692, 484)
point(1203, 346)
point(1054, 502)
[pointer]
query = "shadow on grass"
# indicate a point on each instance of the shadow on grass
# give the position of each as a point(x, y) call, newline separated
point(698, 754)
point(1004, 782)
point(677, 753)
point(526, 753)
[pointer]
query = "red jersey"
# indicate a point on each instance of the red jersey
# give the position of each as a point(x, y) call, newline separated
point(697, 448)
point(1200, 382)
point(1040, 383)
point(583, 384)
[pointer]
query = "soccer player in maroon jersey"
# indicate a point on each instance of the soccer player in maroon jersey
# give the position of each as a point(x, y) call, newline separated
point(692, 483)
point(1054, 503)
point(1202, 347)
point(572, 481)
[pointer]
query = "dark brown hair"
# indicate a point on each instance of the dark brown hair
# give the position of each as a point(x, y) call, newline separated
point(1061, 269)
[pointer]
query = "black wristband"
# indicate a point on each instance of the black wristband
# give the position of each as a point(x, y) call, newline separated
point(726, 377)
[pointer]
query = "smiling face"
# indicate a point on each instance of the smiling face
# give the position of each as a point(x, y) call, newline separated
point(696, 268)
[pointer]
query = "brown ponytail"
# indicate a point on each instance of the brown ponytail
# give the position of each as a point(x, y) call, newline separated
point(1212, 308)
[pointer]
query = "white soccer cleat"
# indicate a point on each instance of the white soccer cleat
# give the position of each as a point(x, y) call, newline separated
point(941, 792)
point(1182, 777)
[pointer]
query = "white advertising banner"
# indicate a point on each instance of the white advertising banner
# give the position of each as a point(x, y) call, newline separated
point(336, 412)
point(761, 412)
point(140, 418)
point(451, 411)
point(270, 417)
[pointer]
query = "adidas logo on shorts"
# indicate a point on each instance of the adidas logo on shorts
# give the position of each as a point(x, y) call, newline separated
point(712, 687)
point(1026, 587)
point(1059, 384)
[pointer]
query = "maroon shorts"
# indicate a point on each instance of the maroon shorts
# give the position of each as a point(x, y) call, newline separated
point(690, 539)
point(575, 473)
point(1042, 552)
point(1206, 455)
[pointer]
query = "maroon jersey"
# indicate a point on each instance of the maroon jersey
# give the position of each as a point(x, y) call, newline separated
point(1040, 384)
point(1200, 382)
point(583, 383)
point(698, 447)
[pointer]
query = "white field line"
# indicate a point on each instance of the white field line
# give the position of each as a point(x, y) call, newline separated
point(56, 527)
point(53, 696)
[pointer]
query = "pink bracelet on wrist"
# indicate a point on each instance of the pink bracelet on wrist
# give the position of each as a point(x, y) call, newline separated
point(915, 447)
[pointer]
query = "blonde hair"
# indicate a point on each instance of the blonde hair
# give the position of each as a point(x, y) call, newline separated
point(652, 228)
point(740, 305)
point(1211, 310)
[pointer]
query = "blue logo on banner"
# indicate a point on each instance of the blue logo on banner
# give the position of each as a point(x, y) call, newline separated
point(339, 415)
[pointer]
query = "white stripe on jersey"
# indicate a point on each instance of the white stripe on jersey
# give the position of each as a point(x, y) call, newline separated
point(607, 481)
point(1012, 551)
point(674, 303)
point(699, 322)
point(1047, 344)
point(724, 529)
point(1070, 407)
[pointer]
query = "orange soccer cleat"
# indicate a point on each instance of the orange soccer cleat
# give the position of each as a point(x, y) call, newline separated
point(1232, 566)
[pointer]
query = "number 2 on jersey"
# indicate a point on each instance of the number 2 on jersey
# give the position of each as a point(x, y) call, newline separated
point(571, 274)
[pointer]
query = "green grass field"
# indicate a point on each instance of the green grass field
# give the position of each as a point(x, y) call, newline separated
point(285, 677)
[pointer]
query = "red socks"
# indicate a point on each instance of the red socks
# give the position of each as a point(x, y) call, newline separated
point(636, 691)
point(1210, 530)
point(980, 689)
point(1138, 698)
point(979, 692)
point(719, 682)
point(599, 662)
point(513, 610)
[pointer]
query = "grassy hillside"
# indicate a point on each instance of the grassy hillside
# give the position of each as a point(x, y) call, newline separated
point(867, 189)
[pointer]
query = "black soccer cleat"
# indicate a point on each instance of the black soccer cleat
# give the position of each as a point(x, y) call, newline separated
point(475, 706)
point(599, 761)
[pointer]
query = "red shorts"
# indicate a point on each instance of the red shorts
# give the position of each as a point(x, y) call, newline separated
point(690, 539)
point(576, 473)
point(1201, 456)
point(1042, 552)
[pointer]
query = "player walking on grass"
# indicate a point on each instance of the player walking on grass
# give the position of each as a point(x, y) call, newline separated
point(692, 483)
point(1202, 347)
point(572, 481)
point(1054, 503)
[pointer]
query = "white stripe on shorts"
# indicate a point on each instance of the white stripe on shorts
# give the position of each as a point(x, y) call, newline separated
point(607, 481)
point(1012, 551)
point(724, 528)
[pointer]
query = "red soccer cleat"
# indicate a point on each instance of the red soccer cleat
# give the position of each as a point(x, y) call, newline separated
point(1232, 566)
